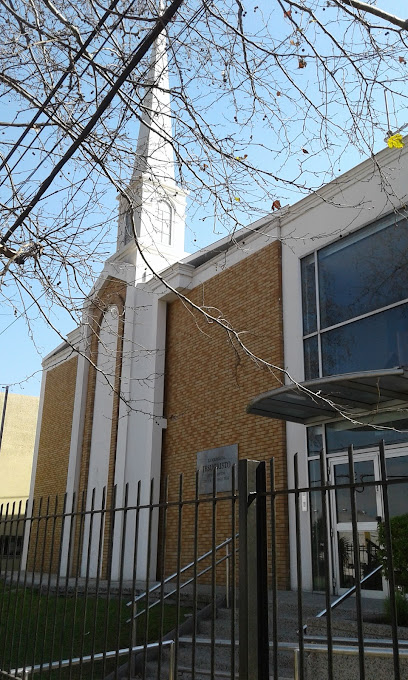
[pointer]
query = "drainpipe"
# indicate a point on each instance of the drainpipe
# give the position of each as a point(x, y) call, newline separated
point(3, 417)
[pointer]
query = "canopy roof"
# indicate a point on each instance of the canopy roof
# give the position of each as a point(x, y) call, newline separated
point(368, 396)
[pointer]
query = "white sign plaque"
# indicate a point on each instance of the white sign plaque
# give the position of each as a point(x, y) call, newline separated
point(222, 459)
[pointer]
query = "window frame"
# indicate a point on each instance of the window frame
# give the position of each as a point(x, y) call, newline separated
point(373, 228)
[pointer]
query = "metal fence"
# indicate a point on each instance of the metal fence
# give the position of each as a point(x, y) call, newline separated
point(120, 585)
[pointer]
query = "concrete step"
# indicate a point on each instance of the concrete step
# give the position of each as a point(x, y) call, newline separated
point(221, 651)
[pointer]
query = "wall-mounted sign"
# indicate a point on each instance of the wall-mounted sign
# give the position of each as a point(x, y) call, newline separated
point(222, 459)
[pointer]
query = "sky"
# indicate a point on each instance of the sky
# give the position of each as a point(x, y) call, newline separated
point(23, 347)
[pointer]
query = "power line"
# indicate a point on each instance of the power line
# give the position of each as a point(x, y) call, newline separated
point(55, 89)
point(22, 314)
point(139, 54)
point(42, 106)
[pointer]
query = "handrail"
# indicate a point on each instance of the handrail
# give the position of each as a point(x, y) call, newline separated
point(349, 592)
point(182, 570)
point(25, 671)
point(170, 578)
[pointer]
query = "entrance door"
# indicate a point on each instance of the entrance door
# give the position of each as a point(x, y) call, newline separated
point(368, 502)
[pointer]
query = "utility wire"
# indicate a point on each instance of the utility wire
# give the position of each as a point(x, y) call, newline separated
point(56, 87)
point(78, 123)
point(144, 46)
point(22, 313)
point(56, 106)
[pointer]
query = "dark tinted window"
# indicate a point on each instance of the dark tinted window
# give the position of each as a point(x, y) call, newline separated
point(379, 341)
point(311, 357)
point(364, 437)
point(363, 272)
point(309, 295)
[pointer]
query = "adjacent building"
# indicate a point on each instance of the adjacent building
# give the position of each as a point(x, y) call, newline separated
point(18, 413)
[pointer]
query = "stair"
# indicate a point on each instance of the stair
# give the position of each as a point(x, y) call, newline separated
point(221, 650)
point(215, 660)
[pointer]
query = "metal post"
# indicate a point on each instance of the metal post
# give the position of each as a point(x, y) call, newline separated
point(3, 415)
point(253, 590)
point(227, 580)
point(171, 661)
point(296, 664)
point(390, 561)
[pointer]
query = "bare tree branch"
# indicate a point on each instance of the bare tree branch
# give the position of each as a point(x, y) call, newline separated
point(376, 11)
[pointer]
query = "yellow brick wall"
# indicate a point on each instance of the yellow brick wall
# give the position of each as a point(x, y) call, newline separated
point(52, 463)
point(209, 382)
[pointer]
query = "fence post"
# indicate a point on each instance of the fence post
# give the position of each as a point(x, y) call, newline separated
point(253, 565)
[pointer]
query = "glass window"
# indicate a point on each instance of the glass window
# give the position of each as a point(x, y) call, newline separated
point(397, 493)
point(309, 295)
point(311, 358)
point(314, 440)
point(317, 528)
point(378, 341)
point(364, 437)
point(366, 501)
point(363, 272)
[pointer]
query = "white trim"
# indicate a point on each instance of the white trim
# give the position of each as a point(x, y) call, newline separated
point(122, 442)
point(194, 276)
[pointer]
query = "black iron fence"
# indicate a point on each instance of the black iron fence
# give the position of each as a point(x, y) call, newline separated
point(122, 585)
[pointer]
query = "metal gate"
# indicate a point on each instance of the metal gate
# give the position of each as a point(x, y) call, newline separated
point(187, 586)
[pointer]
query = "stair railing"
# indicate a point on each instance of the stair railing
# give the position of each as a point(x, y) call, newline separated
point(225, 544)
point(349, 592)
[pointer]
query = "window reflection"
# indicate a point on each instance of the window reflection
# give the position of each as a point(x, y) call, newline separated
point(363, 272)
point(379, 341)
point(317, 528)
point(311, 353)
point(365, 436)
point(357, 275)
point(366, 502)
point(398, 493)
point(309, 295)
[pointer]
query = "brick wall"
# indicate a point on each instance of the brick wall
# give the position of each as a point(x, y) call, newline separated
point(209, 382)
point(52, 463)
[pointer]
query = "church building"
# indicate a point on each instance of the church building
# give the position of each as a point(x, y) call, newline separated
point(149, 387)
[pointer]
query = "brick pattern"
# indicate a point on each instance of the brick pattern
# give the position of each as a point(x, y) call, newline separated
point(209, 382)
point(113, 292)
point(52, 463)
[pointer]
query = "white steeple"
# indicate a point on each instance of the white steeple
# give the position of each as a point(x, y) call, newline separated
point(154, 152)
point(158, 202)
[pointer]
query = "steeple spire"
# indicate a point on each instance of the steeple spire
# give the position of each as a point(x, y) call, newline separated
point(154, 152)
point(154, 207)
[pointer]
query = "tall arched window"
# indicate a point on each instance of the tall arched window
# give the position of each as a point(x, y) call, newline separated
point(163, 222)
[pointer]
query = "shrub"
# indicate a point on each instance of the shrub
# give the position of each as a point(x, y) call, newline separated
point(401, 604)
point(399, 537)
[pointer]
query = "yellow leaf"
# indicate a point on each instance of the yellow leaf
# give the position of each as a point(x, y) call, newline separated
point(236, 198)
point(395, 141)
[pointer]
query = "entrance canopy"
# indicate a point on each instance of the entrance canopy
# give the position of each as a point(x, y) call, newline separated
point(371, 397)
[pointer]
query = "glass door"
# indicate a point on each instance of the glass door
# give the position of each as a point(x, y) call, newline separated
point(369, 510)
